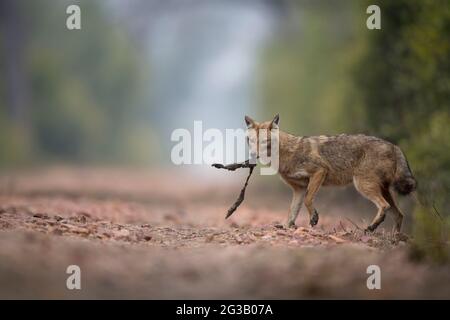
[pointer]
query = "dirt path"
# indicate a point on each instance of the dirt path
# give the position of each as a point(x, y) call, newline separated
point(140, 235)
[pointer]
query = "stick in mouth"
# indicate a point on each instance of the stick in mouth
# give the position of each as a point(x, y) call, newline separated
point(233, 167)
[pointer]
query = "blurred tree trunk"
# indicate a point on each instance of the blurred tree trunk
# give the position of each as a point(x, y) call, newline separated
point(15, 77)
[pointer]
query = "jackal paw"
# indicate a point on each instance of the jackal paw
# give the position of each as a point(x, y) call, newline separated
point(314, 219)
point(291, 224)
point(370, 229)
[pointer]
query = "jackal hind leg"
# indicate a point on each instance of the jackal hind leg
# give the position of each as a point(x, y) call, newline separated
point(314, 184)
point(296, 205)
point(372, 190)
point(396, 212)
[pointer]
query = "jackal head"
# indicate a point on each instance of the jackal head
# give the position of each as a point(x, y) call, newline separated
point(262, 136)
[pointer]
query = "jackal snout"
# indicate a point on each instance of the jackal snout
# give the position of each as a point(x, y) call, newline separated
point(260, 136)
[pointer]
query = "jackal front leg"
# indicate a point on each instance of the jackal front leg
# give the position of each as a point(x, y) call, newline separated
point(314, 184)
point(296, 205)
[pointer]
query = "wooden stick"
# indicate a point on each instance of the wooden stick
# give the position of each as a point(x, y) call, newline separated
point(233, 167)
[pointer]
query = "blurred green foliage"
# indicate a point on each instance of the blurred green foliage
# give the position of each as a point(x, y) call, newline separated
point(404, 81)
point(307, 70)
point(86, 89)
point(328, 73)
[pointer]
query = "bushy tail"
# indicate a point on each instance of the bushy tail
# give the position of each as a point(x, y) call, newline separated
point(404, 181)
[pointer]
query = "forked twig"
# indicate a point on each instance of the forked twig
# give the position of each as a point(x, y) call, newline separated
point(233, 167)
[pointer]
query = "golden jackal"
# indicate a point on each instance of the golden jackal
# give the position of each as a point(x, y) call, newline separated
point(372, 164)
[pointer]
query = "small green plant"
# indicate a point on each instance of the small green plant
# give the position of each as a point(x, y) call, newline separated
point(431, 236)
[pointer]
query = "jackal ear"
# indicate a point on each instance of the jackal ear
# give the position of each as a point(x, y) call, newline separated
point(275, 121)
point(250, 122)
